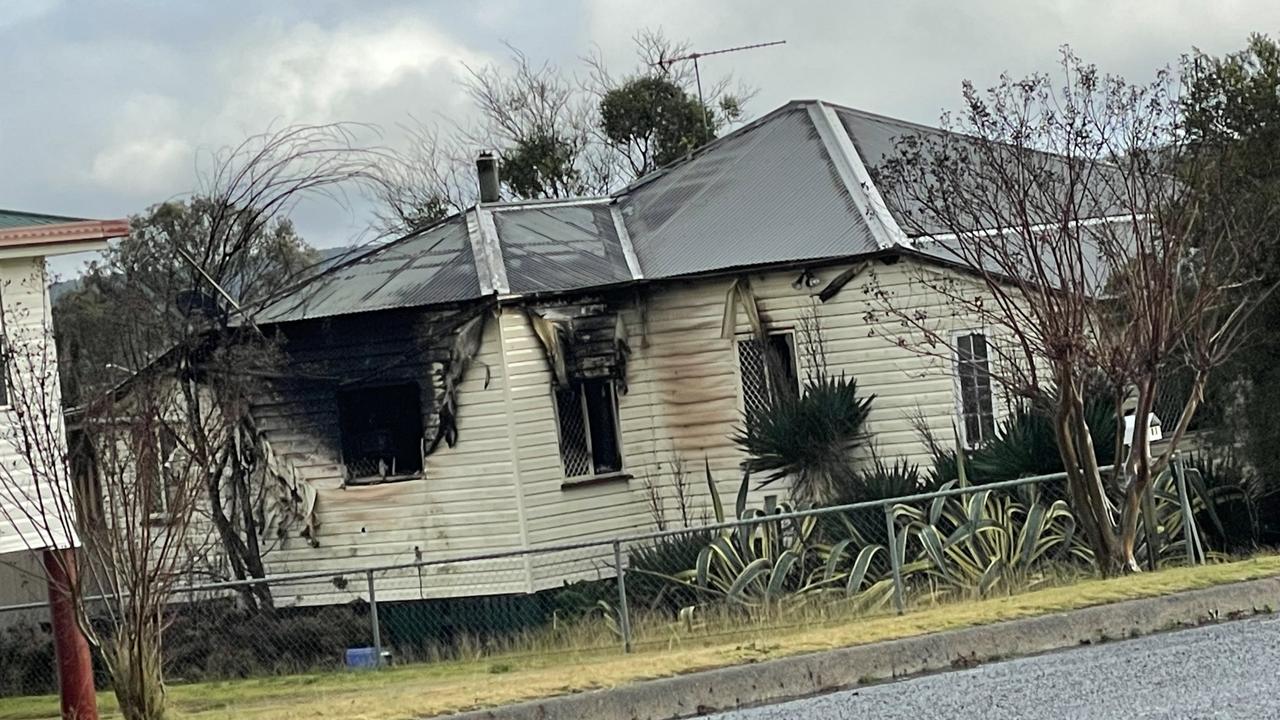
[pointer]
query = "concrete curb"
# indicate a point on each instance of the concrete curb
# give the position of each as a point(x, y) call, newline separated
point(793, 677)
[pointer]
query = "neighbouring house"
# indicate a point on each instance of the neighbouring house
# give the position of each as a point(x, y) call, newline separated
point(27, 522)
point(527, 374)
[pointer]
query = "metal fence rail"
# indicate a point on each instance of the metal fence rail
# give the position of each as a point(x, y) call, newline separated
point(766, 569)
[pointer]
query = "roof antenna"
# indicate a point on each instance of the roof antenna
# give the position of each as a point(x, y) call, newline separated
point(665, 65)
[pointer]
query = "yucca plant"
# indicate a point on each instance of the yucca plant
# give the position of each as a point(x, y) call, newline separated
point(988, 541)
point(808, 438)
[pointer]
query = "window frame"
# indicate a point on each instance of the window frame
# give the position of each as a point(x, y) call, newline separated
point(349, 477)
point(594, 473)
point(740, 338)
point(958, 387)
point(164, 474)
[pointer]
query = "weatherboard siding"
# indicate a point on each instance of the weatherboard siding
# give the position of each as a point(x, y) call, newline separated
point(503, 487)
point(27, 328)
point(463, 504)
point(684, 397)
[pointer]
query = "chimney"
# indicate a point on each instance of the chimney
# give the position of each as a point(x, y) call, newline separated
point(487, 169)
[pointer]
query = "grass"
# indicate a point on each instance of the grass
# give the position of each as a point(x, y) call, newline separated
point(437, 688)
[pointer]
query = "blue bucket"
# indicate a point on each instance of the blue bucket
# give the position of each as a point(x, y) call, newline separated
point(362, 658)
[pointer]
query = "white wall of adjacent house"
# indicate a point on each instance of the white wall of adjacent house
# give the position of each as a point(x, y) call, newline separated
point(30, 511)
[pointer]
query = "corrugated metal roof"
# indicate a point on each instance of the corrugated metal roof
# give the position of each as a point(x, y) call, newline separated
point(547, 249)
point(769, 193)
point(17, 219)
point(876, 138)
point(433, 266)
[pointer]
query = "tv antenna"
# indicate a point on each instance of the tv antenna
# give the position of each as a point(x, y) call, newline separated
point(665, 65)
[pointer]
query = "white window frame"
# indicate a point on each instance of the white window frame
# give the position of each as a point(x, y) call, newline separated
point(586, 431)
point(957, 392)
point(741, 338)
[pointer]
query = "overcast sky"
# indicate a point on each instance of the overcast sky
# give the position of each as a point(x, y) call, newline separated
point(107, 106)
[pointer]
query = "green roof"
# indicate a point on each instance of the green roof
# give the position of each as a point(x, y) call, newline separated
point(16, 219)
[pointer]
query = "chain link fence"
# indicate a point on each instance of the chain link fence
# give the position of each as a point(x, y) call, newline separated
point(766, 570)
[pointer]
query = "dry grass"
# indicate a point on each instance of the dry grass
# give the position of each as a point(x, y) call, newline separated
point(430, 689)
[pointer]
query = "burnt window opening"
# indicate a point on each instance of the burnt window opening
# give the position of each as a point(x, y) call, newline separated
point(767, 368)
point(381, 431)
point(587, 417)
point(973, 383)
point(156, 452)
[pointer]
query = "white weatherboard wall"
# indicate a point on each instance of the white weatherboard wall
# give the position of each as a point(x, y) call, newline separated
point(684, 397)
point(503, 488)
point(465, 504)
point(31, 512)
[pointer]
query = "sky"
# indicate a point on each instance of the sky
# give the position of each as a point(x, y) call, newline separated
point(108, 107)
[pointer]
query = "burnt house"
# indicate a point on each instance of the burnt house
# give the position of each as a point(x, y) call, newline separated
point(525, 373)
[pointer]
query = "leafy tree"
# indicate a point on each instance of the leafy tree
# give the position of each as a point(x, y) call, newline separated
point(1233, 108)
point(651, 121)
point(541, 125)
point(134, 303)
point(558, 135)
point(541, 165)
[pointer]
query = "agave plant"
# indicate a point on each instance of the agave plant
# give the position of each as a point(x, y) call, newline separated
point(1169, 531)
point(771, 561)
point(988, 541)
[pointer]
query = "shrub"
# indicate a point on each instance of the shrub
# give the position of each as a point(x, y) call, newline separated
point(809, 438)
point(665, 557)
point(28, 667)
point(1027, 445)
point(216, 640)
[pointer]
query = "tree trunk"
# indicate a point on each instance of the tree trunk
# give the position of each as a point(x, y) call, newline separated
point(1088, 493)
point(136, 670)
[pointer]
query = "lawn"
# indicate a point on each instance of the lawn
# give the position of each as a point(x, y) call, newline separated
point(437, 688)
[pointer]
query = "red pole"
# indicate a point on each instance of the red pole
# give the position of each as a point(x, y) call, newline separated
point(75, 665)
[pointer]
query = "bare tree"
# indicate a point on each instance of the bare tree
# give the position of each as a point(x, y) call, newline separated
point(432, 178)
point(128, 494)
point(180, 296)
point(1078, 213)
point(541, 126)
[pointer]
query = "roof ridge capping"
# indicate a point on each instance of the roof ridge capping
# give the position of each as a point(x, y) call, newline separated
point(854, 175)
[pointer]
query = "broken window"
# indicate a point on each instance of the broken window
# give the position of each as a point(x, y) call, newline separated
point(587, 414)
point(381, 431)
point(156, 451)
point(767, 368)
point(973, 383)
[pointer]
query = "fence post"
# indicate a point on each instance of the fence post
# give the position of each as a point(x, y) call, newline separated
point(1189, 535)
point(1149, 526)
point(373, 619)
point(895, 562)
point(624, 612)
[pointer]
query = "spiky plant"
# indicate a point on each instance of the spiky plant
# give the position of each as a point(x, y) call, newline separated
point(988, 541)
point(808, 438)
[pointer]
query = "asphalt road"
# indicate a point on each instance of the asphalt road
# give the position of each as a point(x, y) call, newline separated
point(1230, 670)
